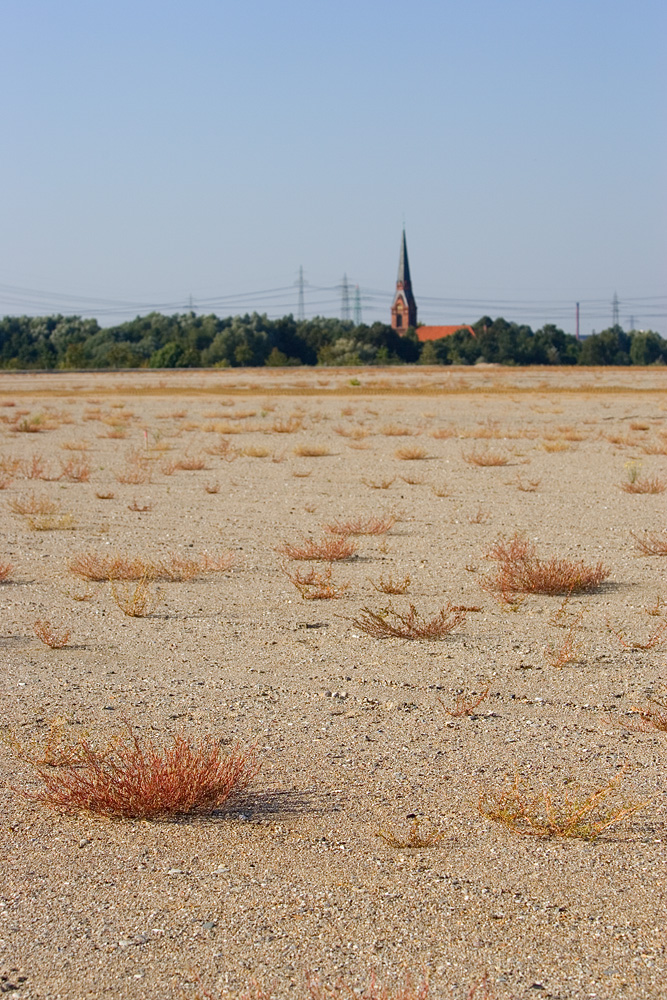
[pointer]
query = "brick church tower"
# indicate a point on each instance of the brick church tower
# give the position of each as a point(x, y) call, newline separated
point(404, 309)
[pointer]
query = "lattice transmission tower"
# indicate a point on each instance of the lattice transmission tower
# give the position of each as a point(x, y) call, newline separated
point(344, 299)
point(301, 307)
point(614, 310)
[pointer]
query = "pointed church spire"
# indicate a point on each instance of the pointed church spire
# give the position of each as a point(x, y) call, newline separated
point(403, 263)
point(404, 309)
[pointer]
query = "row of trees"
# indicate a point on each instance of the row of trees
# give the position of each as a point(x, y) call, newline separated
point(189, 341)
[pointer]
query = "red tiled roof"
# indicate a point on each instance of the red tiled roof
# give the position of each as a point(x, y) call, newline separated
point(438, 332)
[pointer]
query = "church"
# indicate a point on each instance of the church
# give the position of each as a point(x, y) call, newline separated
point(404, 308)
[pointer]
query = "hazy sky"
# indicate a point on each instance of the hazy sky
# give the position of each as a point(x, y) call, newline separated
point(156, 150)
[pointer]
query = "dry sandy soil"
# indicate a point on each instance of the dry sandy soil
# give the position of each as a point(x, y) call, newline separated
point(353, 732)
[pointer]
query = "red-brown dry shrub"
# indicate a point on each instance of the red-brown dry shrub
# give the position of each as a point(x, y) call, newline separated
point(171, 569)
point(521, 571)
point(137, 779)
point(653, 543)
point(410, 625)
point(328, 549)
point(362, 526)
point(191, 463)
point(289, 426)
point(645, 484)
point(176, 569)
point(51, 636)
point(5, 570)
point(75, 471)
point(316, 585)
point(92, 566)
point(485, 458)
point(36, 468)
point(392, 585)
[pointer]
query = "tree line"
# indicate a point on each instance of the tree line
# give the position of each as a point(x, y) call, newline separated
point(186, 340)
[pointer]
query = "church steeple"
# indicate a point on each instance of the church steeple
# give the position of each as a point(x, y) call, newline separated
point(404, 309)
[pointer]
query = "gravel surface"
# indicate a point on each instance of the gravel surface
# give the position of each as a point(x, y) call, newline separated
point(306, 872)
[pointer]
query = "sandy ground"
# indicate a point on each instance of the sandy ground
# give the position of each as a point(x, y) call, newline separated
point(352, 731)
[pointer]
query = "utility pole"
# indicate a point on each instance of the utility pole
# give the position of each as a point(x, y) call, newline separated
point(301, 311)
point(577, 323)
point(345, 299)
point(357, 306)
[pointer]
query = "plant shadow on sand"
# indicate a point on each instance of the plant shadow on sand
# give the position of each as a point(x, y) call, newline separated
point(276, 804)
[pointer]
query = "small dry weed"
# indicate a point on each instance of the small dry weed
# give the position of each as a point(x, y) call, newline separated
point(311, 451)
point(658, 637)
point(328, 549)
point(32, 505)
point(653, 718)
point(641, 484)
point(288, 426)
point(652, 543)
point(363, 526)
point(485, 457)
point(141, 508)
point(75, 471)
point(316, 585)
point(414, 454)
point(409, 625)
point(527, 485)
point(138, 601)
point(538, 815)
point(379, 484)
point(397, 430)
point(465, 703)
point(391, 585)
point(191, 463)
point(415, 838)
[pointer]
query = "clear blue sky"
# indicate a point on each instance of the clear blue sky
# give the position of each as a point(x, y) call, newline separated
point(155, 150)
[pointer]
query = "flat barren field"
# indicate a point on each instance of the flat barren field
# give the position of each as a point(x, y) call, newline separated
point(334, 683)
